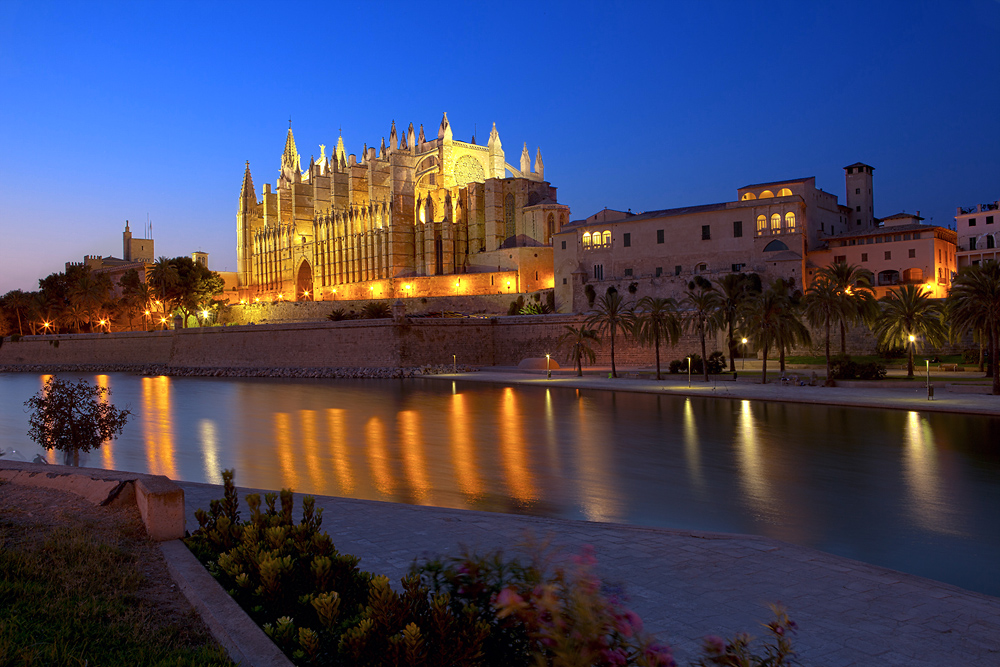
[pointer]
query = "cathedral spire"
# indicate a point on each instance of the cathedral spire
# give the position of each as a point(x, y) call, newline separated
point(393, 140)
point(539, 165)
point(247, 192)
point(444, 131)
point(410, 137)
point(339, 154)
point(421, 137)
point(494, 143)
point(290, 158)
point(525, 161)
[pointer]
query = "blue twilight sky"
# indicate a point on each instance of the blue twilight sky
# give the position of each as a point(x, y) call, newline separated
point(112, 111)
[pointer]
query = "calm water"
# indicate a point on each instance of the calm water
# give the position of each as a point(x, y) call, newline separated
point(911, 491)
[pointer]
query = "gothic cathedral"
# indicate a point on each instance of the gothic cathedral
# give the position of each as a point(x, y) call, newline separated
point(411, 218)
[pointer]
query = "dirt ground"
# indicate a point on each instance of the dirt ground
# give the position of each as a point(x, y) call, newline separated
point(41, 511)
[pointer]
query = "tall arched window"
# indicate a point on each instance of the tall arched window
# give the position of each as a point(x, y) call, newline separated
point(586, 239)
point(775, 224)
point(784, 192)
point(761, 225)
point(509, 230)
point(790, 221)
point(606, 237)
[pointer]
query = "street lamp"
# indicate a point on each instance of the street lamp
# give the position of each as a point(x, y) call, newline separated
point(548, 367)
point(744, 354)
point(689, 371)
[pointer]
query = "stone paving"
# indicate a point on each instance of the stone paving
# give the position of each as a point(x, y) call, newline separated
point(686, 585)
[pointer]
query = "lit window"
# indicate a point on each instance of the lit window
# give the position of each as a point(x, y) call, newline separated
point(790, 221)
point(775, 224)
point(761, 224)
point(784, 192)
point(586, 239)
point(607, 239)
point(747, 196)
point(766, 194)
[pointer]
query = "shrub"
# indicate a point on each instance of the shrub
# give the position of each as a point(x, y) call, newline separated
point(970, 355)
point(716, 362)
point(890, 350)
point(376, 310)
point(717, 652)
point(516, 306)
point(843, 368)
point(871, 371)
point(535, 309)
point(675, 366)
point(338, 314)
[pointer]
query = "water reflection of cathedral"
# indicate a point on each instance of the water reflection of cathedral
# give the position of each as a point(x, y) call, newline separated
point(385, 224)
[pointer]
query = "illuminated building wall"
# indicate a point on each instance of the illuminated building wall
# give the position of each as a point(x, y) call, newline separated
point(404, 212)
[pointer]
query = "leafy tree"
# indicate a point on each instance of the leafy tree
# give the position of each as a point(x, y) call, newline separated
point(657, 320)
point(854, 290)
point(974, 304)
point(578, 340)
point(611, 315)
point(702, 304)
point(163, 278)
point(184, 285)
point(74, 417)
point(909, 314)
point(735, 289)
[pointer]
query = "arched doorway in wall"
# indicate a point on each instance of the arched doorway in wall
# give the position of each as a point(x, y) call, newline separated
point(304, 282)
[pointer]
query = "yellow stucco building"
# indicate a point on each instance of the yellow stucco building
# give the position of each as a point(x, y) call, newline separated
point(414, 217)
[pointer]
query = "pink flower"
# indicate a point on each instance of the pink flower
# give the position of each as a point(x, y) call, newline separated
point(715, 644)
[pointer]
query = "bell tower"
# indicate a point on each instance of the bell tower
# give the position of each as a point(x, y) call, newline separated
point(859, 195)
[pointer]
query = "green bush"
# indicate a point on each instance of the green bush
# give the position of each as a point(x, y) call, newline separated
point(675, 366)
point(843, 368)
point(970, 355)
point(716, 363)
point(376, 310)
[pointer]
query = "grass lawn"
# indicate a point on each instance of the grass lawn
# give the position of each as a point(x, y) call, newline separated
point(84, 585)
point(918, 360)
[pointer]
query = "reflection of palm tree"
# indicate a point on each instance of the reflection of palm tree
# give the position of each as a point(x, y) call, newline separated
point(611, 315)
point(908, 314)
point(657, 319)
point(578, 340)
point(974, 303)
point(823, 305)
point(854, 283)
point(701, 301)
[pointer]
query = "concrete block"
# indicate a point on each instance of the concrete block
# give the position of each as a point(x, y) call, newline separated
point(161, 505)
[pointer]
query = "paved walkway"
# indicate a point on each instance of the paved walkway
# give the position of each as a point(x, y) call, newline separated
point(900, 398)
point(686, 585)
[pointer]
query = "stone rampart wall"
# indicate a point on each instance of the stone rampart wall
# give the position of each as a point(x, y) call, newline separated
point(496, 341)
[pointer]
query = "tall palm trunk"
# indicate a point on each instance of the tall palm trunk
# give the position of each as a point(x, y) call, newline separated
point(828, 350)
point(763, 367)
point(994, 366)
point(579, 362)
point(909, 361)
point(20, 330)
point(843, 338)
point(704, 359)
point(614, 371)
point(732, 347)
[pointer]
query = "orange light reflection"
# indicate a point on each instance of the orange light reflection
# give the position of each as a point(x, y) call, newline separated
point(158, 426)
point(512, 449)
point(378, 457)
point(463, 449)
point(286, 456)
point(338, 448)
point(107, 447)
point(414, 461)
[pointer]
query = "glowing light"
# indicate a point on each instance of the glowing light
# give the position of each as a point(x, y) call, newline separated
point(744, 341)
point(256, 299)
point(147, 313)
point(242, 303)
point(46, 324)
point(457, 283)
point(508, 283)
point(204, 313)
point(912, 338)
point(281, 296)
point(163, 320)
point(305, 293)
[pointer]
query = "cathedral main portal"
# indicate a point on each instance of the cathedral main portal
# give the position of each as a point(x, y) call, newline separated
point(304, 283)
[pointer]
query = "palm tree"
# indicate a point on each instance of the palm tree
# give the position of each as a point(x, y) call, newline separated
point(18, 301)
point(578, 339)
point(89, 292)
point(770, 319)
point(974, 303)
point(611, 315)
point(908, 314)
point(735, 289)
point(657, 319)
point(162, 278)
point(701, 302)
point(792, 331)
point(854, 283)
point(823, 305)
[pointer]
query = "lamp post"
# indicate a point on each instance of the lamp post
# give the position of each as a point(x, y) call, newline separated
point(548, 368)
point(744, 354)
point(689, 371)
point(454, 363)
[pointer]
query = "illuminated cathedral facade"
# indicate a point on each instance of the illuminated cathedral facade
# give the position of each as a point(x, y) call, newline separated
point(413, 217)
